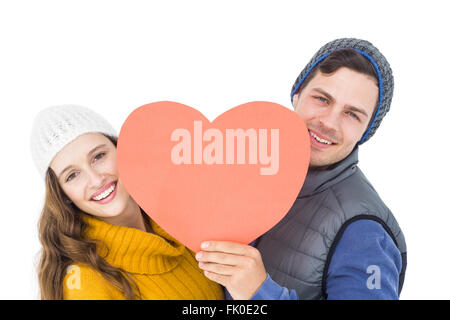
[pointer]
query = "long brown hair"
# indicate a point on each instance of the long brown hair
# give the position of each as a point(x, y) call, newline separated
point(61, 229)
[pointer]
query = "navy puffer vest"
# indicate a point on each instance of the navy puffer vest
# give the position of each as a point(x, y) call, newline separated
point(298, 250)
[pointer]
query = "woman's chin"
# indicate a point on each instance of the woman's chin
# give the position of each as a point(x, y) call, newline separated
point(112, 211)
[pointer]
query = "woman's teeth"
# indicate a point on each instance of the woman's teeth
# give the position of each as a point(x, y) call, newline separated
point(105, 193)
point(320, 139)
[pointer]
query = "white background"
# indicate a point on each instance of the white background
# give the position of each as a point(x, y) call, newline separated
point(114, 56)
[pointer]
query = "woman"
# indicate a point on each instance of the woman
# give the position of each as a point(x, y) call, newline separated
point(97, 242)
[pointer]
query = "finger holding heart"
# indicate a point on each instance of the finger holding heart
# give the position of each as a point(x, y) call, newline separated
point(237, 267)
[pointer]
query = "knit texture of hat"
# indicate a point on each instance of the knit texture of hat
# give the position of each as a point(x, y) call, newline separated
point(54, 127)
point(381, 65)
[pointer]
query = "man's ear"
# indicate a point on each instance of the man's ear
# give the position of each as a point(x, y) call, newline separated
point(295, 100)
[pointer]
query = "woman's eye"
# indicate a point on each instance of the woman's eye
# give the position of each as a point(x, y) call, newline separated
point(70, 177)
point(99, 156)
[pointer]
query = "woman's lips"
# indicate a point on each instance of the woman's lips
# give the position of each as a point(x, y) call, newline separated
point(110, 197)
point(106, 187)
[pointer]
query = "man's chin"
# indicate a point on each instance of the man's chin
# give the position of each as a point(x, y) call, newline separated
point(318, 167)
point(318, 161)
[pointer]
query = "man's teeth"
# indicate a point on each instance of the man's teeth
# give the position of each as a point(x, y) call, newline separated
point(105, 193)
point(320, 139)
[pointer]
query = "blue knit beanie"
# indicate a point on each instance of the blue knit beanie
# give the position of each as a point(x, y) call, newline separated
point(381, 65)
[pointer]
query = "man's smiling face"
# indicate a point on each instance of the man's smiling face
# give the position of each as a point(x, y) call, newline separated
point(337, 109)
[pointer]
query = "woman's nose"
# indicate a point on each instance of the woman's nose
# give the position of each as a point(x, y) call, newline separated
point(96, 179)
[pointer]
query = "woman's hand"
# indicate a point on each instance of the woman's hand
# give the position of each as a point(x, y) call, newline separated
point(237, 267)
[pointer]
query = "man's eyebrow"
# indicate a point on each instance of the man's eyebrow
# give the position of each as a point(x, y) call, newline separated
point(326, 94)
point(349, 107)
point(87, 156)
point(353, 108)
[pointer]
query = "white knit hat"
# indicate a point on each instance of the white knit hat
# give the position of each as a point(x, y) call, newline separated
point(56, 126)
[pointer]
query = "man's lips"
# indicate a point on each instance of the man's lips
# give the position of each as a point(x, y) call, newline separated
point(105, 187)
point(323, 137)
point(317, 144)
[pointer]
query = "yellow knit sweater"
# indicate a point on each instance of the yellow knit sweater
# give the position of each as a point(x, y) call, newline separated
point(161, 266)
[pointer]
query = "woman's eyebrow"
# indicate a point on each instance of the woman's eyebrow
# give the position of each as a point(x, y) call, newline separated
point(95, 149)
point(87, 156)
point(65, 169)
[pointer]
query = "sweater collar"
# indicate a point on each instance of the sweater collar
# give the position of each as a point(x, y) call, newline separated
point(134, 250)
point(318, 180)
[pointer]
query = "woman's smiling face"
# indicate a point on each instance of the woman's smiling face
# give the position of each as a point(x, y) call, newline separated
point(86, 170)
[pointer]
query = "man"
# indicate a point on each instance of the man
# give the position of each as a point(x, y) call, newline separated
point(339, 240)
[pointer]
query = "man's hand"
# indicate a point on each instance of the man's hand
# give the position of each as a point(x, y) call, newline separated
point(237, 267)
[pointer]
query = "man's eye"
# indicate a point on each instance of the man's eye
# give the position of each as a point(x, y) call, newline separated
point(321, 99)
point(353, 115)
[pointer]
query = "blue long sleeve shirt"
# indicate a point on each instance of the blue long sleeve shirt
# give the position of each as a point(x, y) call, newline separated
point(365, 265)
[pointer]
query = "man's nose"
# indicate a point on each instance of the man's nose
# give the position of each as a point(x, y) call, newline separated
point(330, 118)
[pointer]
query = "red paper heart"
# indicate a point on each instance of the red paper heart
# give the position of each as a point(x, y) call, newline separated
point(204, 199)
